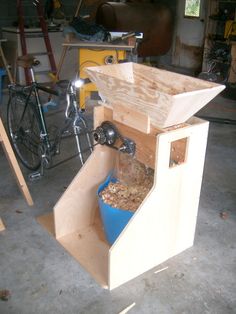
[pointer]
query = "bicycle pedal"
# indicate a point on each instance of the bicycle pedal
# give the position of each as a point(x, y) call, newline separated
point(35, 176)
point(67, 132)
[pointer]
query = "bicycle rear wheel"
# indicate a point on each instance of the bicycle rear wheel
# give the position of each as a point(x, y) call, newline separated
point(24, 130)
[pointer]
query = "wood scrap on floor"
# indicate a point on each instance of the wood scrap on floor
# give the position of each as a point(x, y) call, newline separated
point(4, 295)
point(160, 270)
point(127, 308)
point(224, 215)
point(2, 226)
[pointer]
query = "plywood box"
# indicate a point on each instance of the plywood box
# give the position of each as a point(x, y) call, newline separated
point(162, 227)
point(164, 224)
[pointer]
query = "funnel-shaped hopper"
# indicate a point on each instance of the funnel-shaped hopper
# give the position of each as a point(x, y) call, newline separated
point(167, 98)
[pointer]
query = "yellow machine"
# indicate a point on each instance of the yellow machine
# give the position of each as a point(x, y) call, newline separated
point(94, 57)
point(230, 29)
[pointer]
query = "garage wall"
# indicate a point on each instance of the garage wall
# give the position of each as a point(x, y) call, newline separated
point(8, 12)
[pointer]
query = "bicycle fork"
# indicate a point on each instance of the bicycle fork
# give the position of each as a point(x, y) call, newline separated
point(77, 133)
point(45, 146)
point(44, 152)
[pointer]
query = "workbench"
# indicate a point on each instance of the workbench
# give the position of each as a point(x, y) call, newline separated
point(94, 54)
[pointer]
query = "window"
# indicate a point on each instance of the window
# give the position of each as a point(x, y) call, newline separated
point(192, 8)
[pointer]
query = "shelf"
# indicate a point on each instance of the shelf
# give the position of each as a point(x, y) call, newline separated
point(212, 37)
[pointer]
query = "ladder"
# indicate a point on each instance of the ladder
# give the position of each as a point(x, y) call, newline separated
point(65, 48)
point(5, 63)
point(44, 29)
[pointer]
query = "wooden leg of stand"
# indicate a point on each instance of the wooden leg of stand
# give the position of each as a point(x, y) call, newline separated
point(63, 54)
point(6, 65)
point(14, 164)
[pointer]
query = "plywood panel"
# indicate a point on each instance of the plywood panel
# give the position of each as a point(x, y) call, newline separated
point(76, 208)
point(92, 253)
point(165, 223)
point(87, 245)
point(134, 119)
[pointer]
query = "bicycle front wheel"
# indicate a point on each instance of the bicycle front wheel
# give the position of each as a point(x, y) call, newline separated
point(24, 130)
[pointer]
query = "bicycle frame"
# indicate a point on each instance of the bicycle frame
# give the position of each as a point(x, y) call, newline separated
point(72, 115)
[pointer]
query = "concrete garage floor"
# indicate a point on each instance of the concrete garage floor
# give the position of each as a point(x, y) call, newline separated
point(43, 278)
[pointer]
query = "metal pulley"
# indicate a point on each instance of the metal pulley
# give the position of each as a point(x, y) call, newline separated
point(108, 134)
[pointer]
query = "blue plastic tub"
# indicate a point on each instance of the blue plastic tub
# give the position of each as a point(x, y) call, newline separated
point(114, 219)
point(2, 73)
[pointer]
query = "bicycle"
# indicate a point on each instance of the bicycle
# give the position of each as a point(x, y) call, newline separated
point(218, 60)
point(28, 129)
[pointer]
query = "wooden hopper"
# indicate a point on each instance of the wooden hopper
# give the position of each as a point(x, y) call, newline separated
point(164, 97)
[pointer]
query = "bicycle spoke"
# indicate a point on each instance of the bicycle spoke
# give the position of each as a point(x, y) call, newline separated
point(28, 142)
point(24, 130)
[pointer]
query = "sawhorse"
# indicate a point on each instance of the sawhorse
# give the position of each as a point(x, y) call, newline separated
point(14, 164)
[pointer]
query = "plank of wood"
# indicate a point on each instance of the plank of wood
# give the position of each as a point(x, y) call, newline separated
point(145, 143)
point(94, 45)
point(81, 193)
point(132, 118)
point(5, 63)
point(126, 310)
point(2, 226)
point(14, 164)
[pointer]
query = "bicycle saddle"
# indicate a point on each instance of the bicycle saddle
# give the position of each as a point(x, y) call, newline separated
point(27, 61)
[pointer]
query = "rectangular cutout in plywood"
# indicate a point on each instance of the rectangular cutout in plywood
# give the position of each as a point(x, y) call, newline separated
point(178, 152)
point(164, 224)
